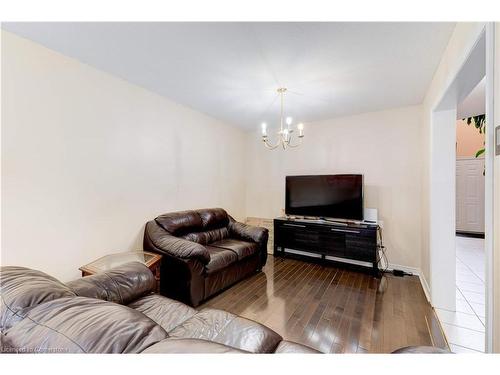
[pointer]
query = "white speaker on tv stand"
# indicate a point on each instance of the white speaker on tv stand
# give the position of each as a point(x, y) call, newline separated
point(370, 215)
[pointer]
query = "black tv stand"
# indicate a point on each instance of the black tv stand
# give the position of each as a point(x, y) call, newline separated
point(327, 241)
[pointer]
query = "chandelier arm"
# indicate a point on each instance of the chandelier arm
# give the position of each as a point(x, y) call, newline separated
point(270, 146)
point(297, 144)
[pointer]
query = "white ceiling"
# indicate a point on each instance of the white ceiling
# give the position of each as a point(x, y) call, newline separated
point(231, 70)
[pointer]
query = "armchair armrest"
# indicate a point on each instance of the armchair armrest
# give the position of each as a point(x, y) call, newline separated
point(248, 232)
point(175, 246)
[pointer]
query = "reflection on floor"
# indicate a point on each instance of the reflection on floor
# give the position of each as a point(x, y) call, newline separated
point(465, 327)
point(333, 309)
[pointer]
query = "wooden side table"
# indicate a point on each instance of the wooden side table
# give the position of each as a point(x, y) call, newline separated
point(151, 260)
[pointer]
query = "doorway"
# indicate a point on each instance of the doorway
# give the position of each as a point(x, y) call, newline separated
point(465, 326)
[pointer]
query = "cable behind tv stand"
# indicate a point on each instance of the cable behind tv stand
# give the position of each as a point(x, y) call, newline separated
point(327, 241)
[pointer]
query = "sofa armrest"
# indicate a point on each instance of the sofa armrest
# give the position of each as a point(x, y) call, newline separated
point(122, 284)
point(248, 232)
point(174, 246)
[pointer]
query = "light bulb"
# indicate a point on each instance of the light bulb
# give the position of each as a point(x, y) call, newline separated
point(264, 128)
point(289, 121)
point(301, 129)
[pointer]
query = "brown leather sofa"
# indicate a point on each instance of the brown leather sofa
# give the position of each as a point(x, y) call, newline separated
point(117, 312)
point(204, 252)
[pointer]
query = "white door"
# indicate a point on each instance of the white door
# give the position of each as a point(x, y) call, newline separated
point(470, 195)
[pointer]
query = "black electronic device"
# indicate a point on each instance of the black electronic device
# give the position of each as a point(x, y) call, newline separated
point(338, 196)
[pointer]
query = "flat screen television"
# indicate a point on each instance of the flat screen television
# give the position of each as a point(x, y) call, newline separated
point(338, 196)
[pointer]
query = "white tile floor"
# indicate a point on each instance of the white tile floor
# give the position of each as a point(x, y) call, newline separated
point(464, 328)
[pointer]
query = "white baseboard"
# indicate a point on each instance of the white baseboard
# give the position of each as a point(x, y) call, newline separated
point(416, 272)
point(425, 287)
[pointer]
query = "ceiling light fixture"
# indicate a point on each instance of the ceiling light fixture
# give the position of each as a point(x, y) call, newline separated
point(285, 133)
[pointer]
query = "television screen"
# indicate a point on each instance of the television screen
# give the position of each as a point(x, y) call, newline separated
point(331, 196)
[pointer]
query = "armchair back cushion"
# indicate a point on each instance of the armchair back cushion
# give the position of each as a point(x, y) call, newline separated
point(207, 237)
point(213, 218)
point(180, 223)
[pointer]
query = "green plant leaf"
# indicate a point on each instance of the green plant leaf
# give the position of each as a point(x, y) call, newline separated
point(480, 152)
point(479, 122)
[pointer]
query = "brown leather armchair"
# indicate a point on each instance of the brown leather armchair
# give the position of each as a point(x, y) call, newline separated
point(117, 312)
point(204, 251)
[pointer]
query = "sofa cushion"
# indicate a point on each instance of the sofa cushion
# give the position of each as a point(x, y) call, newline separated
point(208, 236)
point(84, 325)
point(180, 223)
point(228, 329)
point(213, 218)
point(290, 347)
point(421, 350)
point(193, 346)
point(242, 248)
point(166, 312)
point(219, 259)
point(22, 289)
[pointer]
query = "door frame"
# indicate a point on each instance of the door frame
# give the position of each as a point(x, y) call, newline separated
point(489, 183)
point(442, 229)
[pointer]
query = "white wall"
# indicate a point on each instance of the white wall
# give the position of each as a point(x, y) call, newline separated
point(384, 146)
point(88, 158)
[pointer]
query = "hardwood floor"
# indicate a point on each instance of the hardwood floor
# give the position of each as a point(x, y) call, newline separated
point(335, 310)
